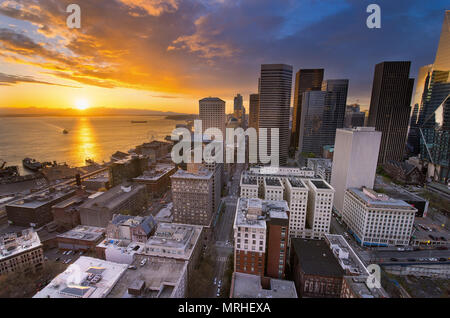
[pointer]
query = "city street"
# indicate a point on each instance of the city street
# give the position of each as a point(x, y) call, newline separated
point(223, 232)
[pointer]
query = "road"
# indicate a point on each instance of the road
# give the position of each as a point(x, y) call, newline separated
point(223, 232)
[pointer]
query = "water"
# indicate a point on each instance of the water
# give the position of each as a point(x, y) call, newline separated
point(89, 137)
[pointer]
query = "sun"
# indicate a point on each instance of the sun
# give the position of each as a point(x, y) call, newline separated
point(82, 104)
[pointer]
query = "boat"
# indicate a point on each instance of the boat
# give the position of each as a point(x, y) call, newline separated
point(65, 131)
point(31, 164)
point(8, 171)
point(138, 121)
point(89, 161)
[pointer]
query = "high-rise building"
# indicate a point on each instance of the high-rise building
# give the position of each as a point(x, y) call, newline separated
point(274, 105)
point(260, 235)
point(334, 114)
point(322, 113)
point(212, 114)
point(434, 115)
point(238, 102)
point(355, 161)
point(310, 199)
point(376, 219)
point(390, 107)
point(305, 80)
point(254, 111)
point(354, 117)
point(192, 193)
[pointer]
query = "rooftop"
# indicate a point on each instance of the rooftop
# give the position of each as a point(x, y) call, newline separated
point(161, 277)
point(211, 99)
point(85, 233)
point(358, 285)
point(41, 198)
point(87, 277)
point(374, 199)
point(320, 184)
point(316, 258)
point(249, 286)
point(249, 180)
point(345, 255)
point(202, 173)
point(112, 197)
point(153, 175)
point(296, 182)
point(263, 207)
point(18, 242)
point(272, 182)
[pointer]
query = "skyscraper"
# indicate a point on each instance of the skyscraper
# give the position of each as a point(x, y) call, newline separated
point(334, 114)
point(274, 105)
point(305, 80)
point(390, 107)
point(212, 114)
point(254, 111)
point(354, 161)
point(238, 102)
point(434, 115)
point(322, 113)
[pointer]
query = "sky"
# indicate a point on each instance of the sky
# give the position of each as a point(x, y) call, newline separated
point(166, 55)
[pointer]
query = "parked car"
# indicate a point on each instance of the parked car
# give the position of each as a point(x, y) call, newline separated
point(442, 259)
point(143, 262)
point(411, 259)
point(394, 259)
point(132, 267)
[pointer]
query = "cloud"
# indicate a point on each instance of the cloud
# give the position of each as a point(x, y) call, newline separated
point(7, 80)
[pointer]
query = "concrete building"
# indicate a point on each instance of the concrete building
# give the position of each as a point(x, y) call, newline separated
point(192, 195)
point(274, 105)
point(390, 108)
point(66, 214)
point(35, 210)
point(255, 222)
point(130, 228)
point(121, 199)
point(154, 150)
point(81, 238)
point(126, 169)
point(376, 219)
point(315, 270)
point(303, 197)
point(153, 277)
point(355, 161)
point(212, 114)
point(157, 180)
point(87, 277)
point(254, 286)
point(21, 251)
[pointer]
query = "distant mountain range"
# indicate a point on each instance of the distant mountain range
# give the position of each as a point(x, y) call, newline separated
point(95, 111)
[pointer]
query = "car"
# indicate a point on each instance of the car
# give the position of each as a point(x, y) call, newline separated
point(411, 259)
point(68, 261)
point(215, 280)
point(132, 267)
point(57, 259)
point(394, 259)
point(442, 259)
point(143, 262)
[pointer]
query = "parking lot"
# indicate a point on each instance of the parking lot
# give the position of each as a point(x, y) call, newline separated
point(65, 257)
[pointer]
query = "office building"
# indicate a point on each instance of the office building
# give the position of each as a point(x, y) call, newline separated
point(157, 179)
point(305, 80)
point(20, 251)
point(376, 219)
point(354, 161)
point(434, 115)
point(354, 117)
point(192, 194)
point(308, 197)
point(35, 210)
point(260, 235)
point(254, 111)
point(315, 270)
point(321, 167)
point(126, 169)
point(390, 108)
point(254, 286)
point(66, 214)
point(274, 105)
point(99, 210)
point(212, 114)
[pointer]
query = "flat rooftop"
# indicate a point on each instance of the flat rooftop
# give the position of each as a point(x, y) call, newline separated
point(160, 275)
point(155, 174)
point(41, 198)
point(276, 208)
point(316, 258)
point(84, 233)
point(272, 182)
point(358, 284)
point(372, 198)
point(112, 197)
point(249, 180)
point(345, 255)
point(18, 242)
point(249, 286)
point(320, 184)
point(87, 277)
point(200, 174)
point(296, 183)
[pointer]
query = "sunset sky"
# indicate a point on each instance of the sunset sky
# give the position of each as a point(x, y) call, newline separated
point(166, 55)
